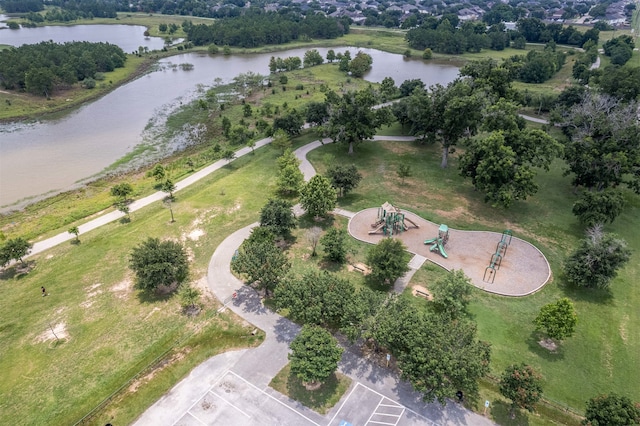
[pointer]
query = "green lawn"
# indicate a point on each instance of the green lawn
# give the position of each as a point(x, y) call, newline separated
point(113, 331)
point(604, 354)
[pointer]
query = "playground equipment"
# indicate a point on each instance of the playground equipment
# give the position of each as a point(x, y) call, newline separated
point(391, 220)
point(440, 241)
point(496, 258)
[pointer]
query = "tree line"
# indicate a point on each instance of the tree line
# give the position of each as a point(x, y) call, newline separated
point(44, 67)
point(257, 28)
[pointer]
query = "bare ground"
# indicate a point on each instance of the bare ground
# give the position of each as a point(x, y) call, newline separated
point(524, 269)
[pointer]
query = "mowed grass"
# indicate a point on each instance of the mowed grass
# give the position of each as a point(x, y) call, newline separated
point(604, 354)
point(320, 400)
point(113, 330)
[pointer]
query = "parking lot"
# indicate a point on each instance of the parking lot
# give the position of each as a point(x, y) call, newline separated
point(233, 401)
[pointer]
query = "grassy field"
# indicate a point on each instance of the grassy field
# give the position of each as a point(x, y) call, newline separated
point(604, 354)
point(109, 331)
point(320, 400)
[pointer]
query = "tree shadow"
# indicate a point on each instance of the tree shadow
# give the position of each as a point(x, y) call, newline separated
point(600, 296)
point(151, 297)
point(124, 220)
point(533, 341)
point(307, 221)
point(327, 265)
point(501, 413)
point(17, 271)
point(376, 285)
point(75, 242)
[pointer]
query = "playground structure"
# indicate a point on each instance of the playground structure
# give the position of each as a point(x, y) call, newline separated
point(391, 220)
point(496, 258)
point(440, 241)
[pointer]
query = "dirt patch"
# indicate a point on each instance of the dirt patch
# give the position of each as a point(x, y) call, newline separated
point(195, 234)
point(623, 328)
point(419, 291)
point(360, 267)
point(123, 288)
point(53, 332)
point(548, 344)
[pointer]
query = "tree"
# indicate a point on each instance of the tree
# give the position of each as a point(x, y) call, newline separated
point(313, 237)
point(344, 178)
point(522, 385)
point(404, 171)
point(281, 140)
point(445, 114)
point(124, 209)
point(314, 355)
point(75, 231)
point(39, 81)
point(291, 123)
point(352, 118)
point(316, 297)
point(599, 207)
point(122, 191)
point(335, 245)
point(452, 293)
point(14, 249)
point(318, 197)
point(502, 164)
point(317, 113)
point(157, 263)
point(441, 357)
point(261, 261)
point(331, 55)
point(597, 260)
point(158, 172)
point(388, 261)
point(290, 180)
point(611, 410)
point(603, 150)
point(312, 58)
point(277, 215)
point(360, 64)
point(558, 320)
point(169, 187)
point(229, 155)
point(189, 296)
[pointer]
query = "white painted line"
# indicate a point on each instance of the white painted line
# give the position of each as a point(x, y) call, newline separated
point(390, 405)
point(405, 407)
point(344, 402)
point(377, 413)
point(275, 399)
point(382, 423)
point(224, 400)
point(203, 395)
point(376, 409)
point(195, 417)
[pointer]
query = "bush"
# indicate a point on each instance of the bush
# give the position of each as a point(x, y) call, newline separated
point(387, 261)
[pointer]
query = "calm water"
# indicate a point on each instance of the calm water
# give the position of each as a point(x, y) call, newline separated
point(52, 156)
point(128, 37)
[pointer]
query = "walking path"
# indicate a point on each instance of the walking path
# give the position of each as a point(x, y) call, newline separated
point(207, 395)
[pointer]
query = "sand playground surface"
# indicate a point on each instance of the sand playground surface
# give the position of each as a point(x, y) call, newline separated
point(524, 269)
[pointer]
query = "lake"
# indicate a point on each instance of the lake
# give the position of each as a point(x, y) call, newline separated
point(52, 156)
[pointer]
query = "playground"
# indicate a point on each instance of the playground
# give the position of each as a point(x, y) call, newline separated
point(520, 269)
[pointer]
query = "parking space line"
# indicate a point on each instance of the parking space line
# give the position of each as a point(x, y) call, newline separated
point(275, 399)
point(224, 400)
point(197, 400)
point(343, 403)
point(382, 423)
point(195, 417)
point(404, 407)
point(374, 411)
